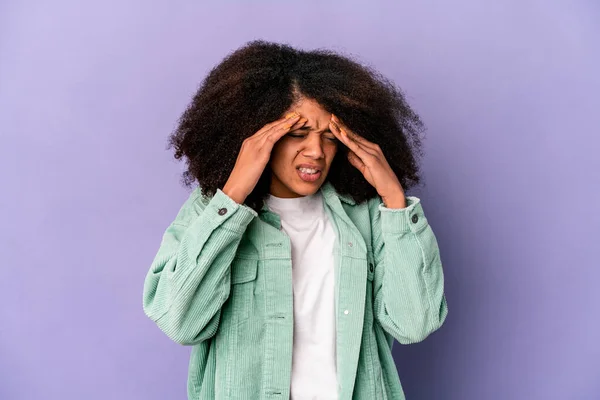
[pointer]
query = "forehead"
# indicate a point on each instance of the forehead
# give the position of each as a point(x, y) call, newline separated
point(318, 117)
point(309, 108)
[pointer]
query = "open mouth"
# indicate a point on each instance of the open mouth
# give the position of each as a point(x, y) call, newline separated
point(309, 174)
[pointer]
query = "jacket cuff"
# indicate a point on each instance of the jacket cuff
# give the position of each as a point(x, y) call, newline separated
point(402, 220)
point(231, 215)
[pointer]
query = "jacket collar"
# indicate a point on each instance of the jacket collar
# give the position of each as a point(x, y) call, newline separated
point(329, 192)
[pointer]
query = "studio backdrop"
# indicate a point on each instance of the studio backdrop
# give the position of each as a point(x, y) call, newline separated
point(90, 91)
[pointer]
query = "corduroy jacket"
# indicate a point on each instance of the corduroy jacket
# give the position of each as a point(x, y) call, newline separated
point(221, 282)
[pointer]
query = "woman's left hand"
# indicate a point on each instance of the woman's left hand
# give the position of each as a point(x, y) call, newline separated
point(368, 158)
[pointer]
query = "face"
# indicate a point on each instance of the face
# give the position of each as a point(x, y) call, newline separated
point(310, 146)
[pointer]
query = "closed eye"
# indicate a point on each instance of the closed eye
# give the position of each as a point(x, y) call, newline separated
point(333, 139)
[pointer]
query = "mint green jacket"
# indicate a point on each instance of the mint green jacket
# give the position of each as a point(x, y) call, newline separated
point(222, 282)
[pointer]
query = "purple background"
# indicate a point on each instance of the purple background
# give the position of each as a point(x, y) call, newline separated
point(89, 93)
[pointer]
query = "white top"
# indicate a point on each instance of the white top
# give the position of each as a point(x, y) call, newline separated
point(305, 221)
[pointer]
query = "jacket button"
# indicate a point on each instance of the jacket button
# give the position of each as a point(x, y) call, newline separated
point(350, 244)
point(415, 218)
point(222, 211)
point(371, 267)
point(346, 312)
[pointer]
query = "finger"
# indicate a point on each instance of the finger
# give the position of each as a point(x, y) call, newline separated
point(273, 124)
point(351, 144)
point(288, 121)
point(278, 132)
point(362, 141)
point(268, 126)
point(296, 125)
point(356, 161)
point(354, 136)
point(276, 124)
point(335, 129)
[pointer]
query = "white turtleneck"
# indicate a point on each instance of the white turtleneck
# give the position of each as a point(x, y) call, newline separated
point(305, 221)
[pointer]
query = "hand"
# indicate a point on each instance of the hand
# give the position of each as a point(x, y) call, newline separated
point(368, 158)
point(255, 154)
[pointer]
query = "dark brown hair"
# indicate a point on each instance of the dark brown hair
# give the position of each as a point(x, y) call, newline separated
point(255, 84)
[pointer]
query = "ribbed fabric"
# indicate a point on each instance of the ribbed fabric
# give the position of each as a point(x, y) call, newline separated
point(221, 282)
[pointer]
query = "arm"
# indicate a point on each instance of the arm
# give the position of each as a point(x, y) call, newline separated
point(189, 279)
point(409, 300)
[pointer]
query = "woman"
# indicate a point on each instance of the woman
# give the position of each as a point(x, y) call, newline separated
point(298, 259)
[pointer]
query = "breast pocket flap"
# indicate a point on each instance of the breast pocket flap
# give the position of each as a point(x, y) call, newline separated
point(243, 270)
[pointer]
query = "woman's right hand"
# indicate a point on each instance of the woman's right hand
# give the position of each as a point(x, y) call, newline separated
point(255, 154)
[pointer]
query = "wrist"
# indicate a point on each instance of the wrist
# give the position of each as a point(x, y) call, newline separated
point(396, 200)
point(234, 193)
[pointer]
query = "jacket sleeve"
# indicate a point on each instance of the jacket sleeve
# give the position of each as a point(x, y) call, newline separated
point(408, 284)
point(189, 279)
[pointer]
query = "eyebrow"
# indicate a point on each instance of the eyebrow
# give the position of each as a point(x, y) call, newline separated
point(308, 128)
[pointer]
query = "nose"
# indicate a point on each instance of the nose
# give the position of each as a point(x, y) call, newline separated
point(313, 146)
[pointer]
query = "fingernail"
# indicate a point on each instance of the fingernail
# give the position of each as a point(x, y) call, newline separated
point(291, 115)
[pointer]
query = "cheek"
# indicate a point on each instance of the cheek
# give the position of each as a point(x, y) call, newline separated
point(282, 154)
point(330, 152)
point(275, 158)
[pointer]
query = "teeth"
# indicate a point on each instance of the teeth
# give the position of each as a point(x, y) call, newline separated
point(308, 170)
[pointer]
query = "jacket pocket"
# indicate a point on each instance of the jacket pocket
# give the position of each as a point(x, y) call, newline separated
point(243, 277)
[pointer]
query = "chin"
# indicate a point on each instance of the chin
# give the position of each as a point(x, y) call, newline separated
point(304, 188)
point(307, 191)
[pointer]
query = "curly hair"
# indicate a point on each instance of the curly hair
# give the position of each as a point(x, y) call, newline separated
point(258, 82)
